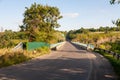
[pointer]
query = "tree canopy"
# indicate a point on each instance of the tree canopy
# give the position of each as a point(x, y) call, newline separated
point(40, 21)
point(114, 1)
point(117, 22)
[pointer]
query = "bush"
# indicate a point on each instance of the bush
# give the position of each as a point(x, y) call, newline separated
point(11, 57)
point(43, 50)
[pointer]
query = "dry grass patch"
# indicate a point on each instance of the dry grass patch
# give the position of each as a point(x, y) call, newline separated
point(14, 57)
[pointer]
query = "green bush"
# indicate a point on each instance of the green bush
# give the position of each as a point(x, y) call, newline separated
point(43, 50)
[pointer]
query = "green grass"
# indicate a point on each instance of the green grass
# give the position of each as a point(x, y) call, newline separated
point(16, 57)
point(115, 63)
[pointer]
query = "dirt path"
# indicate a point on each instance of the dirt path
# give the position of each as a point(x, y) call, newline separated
point(69, 63)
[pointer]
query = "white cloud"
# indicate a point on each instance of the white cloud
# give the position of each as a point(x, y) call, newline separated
point(71, 15)
point(18, 22)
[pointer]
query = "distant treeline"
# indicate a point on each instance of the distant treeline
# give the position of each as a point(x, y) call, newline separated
point(94, 36)
point(100, 29)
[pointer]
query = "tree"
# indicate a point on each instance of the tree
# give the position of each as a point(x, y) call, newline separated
point(114, 1)
point(92, 30)
point(101, 29)
point(106, 29)
point(82, 30)
point(117, 23)
point(5, 39)
point(40, 21)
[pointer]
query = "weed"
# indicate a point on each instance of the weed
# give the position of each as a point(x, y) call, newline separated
point(16, 57)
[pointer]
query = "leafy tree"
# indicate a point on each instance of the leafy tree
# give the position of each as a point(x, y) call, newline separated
point(82, 30)
point(92, 30)
point(5, 39)
point(114, 1)
point(117, 23)
point(106, 29)
point(22, 28)
point(40, 21)
point(113, 29)
point(101, 29)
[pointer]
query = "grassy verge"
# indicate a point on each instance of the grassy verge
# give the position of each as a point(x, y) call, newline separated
point(115, 63)
point(16, 57)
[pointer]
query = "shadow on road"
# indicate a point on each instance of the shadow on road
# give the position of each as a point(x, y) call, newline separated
point(68, 63)
point(48, 69)
point(79, 51)
point(79, 47)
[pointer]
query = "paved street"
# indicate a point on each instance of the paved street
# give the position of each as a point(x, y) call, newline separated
point(68, 63)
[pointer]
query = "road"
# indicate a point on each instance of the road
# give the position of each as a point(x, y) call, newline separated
point(70, 62)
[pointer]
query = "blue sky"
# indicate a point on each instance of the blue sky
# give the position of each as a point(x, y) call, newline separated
point(76, 13)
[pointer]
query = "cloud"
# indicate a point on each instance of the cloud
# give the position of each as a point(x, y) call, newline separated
point(70, 15)
point(17, 22)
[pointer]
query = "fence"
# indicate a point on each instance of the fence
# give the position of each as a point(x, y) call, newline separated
point(35, 45)
point(54, 46)
point(85, 46)
point(89, 46)
point(115, 55)
point(18, 47)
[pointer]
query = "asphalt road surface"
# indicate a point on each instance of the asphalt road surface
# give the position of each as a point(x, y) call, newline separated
point(68, 63)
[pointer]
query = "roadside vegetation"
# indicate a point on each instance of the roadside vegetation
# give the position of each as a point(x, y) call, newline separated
point(111, 46)
point(106, 38)
point(94, 36)
point(114, 62)
point(15, 57)
point(39, 25)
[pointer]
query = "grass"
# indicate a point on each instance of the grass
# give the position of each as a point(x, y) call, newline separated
point(115, 63)
point(2, 51)
point(16, 57)
point(11, 58)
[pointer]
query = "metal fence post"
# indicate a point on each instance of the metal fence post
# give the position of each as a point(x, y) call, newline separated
point(114, 54)
point(118, 56)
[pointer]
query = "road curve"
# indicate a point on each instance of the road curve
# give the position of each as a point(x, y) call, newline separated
point(68, 63)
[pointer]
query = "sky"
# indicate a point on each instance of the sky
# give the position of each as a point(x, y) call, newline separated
point(76, 13)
